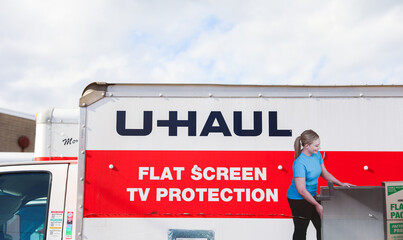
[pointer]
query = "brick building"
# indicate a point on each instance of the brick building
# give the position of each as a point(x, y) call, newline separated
point(17, 131)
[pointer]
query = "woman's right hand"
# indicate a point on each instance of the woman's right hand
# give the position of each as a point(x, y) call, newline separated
point(319, 209)
point(300, 184)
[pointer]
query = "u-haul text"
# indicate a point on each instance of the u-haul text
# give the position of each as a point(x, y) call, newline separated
point(214, 123)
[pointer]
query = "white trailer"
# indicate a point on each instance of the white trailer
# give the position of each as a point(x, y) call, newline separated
point(57, 134)
point(202, 161)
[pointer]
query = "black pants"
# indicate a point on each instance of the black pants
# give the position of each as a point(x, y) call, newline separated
point(303, 212)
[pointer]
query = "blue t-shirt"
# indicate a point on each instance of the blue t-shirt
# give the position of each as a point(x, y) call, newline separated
point(308, 168)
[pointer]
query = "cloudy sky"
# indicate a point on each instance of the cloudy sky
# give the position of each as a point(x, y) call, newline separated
point(50, 49)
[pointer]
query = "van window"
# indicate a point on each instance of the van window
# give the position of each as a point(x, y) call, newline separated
point(23, 205)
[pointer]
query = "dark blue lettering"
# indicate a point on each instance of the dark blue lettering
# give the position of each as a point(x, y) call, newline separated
point(215, 123)
point(121, 124)
point(173, 123)
point(273, 131)
point(257, 125)
point(221, 128)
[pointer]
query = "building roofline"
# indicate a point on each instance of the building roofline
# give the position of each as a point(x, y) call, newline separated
point(17, 114)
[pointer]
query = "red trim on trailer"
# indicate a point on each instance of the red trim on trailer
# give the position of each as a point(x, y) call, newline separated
point(39, 159)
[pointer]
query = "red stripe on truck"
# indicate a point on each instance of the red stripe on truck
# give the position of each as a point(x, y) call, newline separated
point(215, 184)
point(39, 159)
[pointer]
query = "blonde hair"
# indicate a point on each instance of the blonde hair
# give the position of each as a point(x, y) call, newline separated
point(306, 137)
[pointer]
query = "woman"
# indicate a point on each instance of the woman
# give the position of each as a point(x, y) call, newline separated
point(308, 166)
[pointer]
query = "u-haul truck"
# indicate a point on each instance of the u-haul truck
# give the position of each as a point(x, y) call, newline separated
point(198, 161)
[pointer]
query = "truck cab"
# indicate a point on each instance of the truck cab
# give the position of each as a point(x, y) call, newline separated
point(33, 199)
point(38, 195)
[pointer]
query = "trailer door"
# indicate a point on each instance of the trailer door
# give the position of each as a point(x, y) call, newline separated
point(32, 201)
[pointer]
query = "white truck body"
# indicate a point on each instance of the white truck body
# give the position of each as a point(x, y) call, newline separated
point(207, 161)
point(57, 134)
point(156, 158)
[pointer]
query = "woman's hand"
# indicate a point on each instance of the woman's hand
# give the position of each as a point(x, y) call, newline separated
point(300, 184)
point(319, 209)
point(346, 185)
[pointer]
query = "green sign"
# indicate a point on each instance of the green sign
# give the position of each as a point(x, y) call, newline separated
point(396, 228)
point(394, 189)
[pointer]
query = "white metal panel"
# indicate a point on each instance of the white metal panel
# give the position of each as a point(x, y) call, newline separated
point(65, 115)
point(206, 90)
point(157, 228)
point(64, 140)
point(348, 124)
point(57, 134)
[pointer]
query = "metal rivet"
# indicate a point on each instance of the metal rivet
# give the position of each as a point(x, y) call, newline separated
point(111, 166)
point(280, 167)
point(366, 168)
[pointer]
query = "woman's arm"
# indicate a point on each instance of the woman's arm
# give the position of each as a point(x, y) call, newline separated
point(300, 184)
point(329, 177)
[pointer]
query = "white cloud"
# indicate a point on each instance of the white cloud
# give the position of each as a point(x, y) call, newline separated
point(50, 50)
